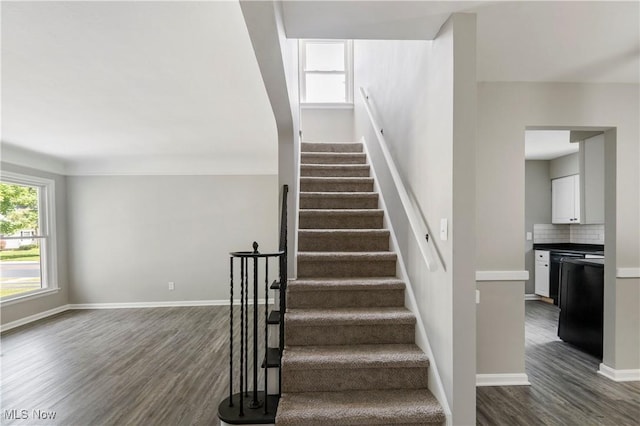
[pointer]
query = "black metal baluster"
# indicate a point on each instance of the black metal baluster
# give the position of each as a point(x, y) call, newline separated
point(246, 327)
point(255, 403)
point(266, 334)
point(241, 335)
point(231, 332)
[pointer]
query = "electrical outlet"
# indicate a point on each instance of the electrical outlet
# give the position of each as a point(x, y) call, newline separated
point(172, 285)
point(529, 236)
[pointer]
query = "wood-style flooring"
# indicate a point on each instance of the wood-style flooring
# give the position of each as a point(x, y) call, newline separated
point(565, 388)
point(169, 366)
point(164, 366)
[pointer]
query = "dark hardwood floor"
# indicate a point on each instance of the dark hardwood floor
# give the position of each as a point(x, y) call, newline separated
point(169, 366)
point(565, 388)
point(165, 366)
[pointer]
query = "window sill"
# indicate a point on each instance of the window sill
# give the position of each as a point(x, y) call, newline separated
point(337, 105)
point(29, 296)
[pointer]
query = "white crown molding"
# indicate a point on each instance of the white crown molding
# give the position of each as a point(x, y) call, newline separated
point(508, 379)
point(502, 275)
point(632, 375)
point(173, 166)
point(18, 156)
point(627, 272)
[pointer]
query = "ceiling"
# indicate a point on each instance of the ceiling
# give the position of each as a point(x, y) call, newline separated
point(551, 41)
point(162, 87)
point(152, 83)
point(548, 144)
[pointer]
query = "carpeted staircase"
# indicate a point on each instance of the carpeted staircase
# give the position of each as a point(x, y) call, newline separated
point(350, 356)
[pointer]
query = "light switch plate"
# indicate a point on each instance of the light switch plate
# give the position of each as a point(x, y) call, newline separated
point(529, 236)
point(443, 229)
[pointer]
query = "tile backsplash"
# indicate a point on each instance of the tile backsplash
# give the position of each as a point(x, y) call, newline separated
point(579, 234)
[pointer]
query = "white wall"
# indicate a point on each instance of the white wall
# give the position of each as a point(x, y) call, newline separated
point(537, 210)
point(424, 96)
point(327, 124)
point(504, 111)
point(20, 310)
point(130, 235)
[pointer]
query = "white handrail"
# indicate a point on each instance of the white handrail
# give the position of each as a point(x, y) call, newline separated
point(417, 222)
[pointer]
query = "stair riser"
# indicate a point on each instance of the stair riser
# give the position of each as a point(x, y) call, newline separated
point(328, 202)
point(309, 171)
point(345, 299)
point(346, 268)
point(340, 222)
point(348, 334)
point(336, 186)
point(348, 242)
point(310, 158)
point(310, 380)
point(330, 147)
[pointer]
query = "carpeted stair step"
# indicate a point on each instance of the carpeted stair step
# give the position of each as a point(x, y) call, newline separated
point(343, 240)
point(331, 147)
point(335, 170)
point(345, 293)
point(353, 367)
point(377, 407)
point(349, 326)
point(333, 158)
point(341, 219)
point(336, 184)
point(346, 264)
point(338, 200)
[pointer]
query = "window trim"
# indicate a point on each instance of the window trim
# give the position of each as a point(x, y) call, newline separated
point(47, 234)
point(348, 72)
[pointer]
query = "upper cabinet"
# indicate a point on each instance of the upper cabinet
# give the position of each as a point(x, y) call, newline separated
point(565, 199)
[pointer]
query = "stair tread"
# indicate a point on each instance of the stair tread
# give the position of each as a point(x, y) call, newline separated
point(360, 407)
point(354, 356)
point(335, 179)
point(274, 317)
point(345, 231)
point(354, 194)
point(335, 166)
point(336, 212)
point(347, 255)
point(350, 316)
point(328, 284)
point(272, 358)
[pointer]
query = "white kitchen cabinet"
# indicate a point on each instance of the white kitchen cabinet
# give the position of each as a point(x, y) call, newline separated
point(565, 199)
point(542, 273)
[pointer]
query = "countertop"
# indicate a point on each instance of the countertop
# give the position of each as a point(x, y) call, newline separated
point(572, 248)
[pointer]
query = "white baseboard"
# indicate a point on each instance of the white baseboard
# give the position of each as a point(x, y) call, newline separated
point(32, 318)
point(510, 379)
point(619, 375)
point(532, 297)
point(124, 305)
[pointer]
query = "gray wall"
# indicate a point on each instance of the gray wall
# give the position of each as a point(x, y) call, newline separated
point(592, 180)
point(505, 110)
point(27, 308)
point(327, 124)
point(537, 210)
point(424, 96)
point(131, 235)
point(566, 165)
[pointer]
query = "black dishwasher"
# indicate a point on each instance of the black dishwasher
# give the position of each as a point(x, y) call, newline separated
point(555, 258)
point(581, 302)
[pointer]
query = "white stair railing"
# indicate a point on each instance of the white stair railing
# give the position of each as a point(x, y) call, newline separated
point(417, 222)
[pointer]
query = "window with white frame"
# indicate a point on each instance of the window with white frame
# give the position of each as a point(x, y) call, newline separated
point(326, 71)
point(27, 236)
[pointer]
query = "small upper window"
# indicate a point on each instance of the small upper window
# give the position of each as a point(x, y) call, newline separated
point(326, 72)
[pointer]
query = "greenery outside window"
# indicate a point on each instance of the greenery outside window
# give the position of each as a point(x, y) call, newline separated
point(27, 237)
point(326, 72)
